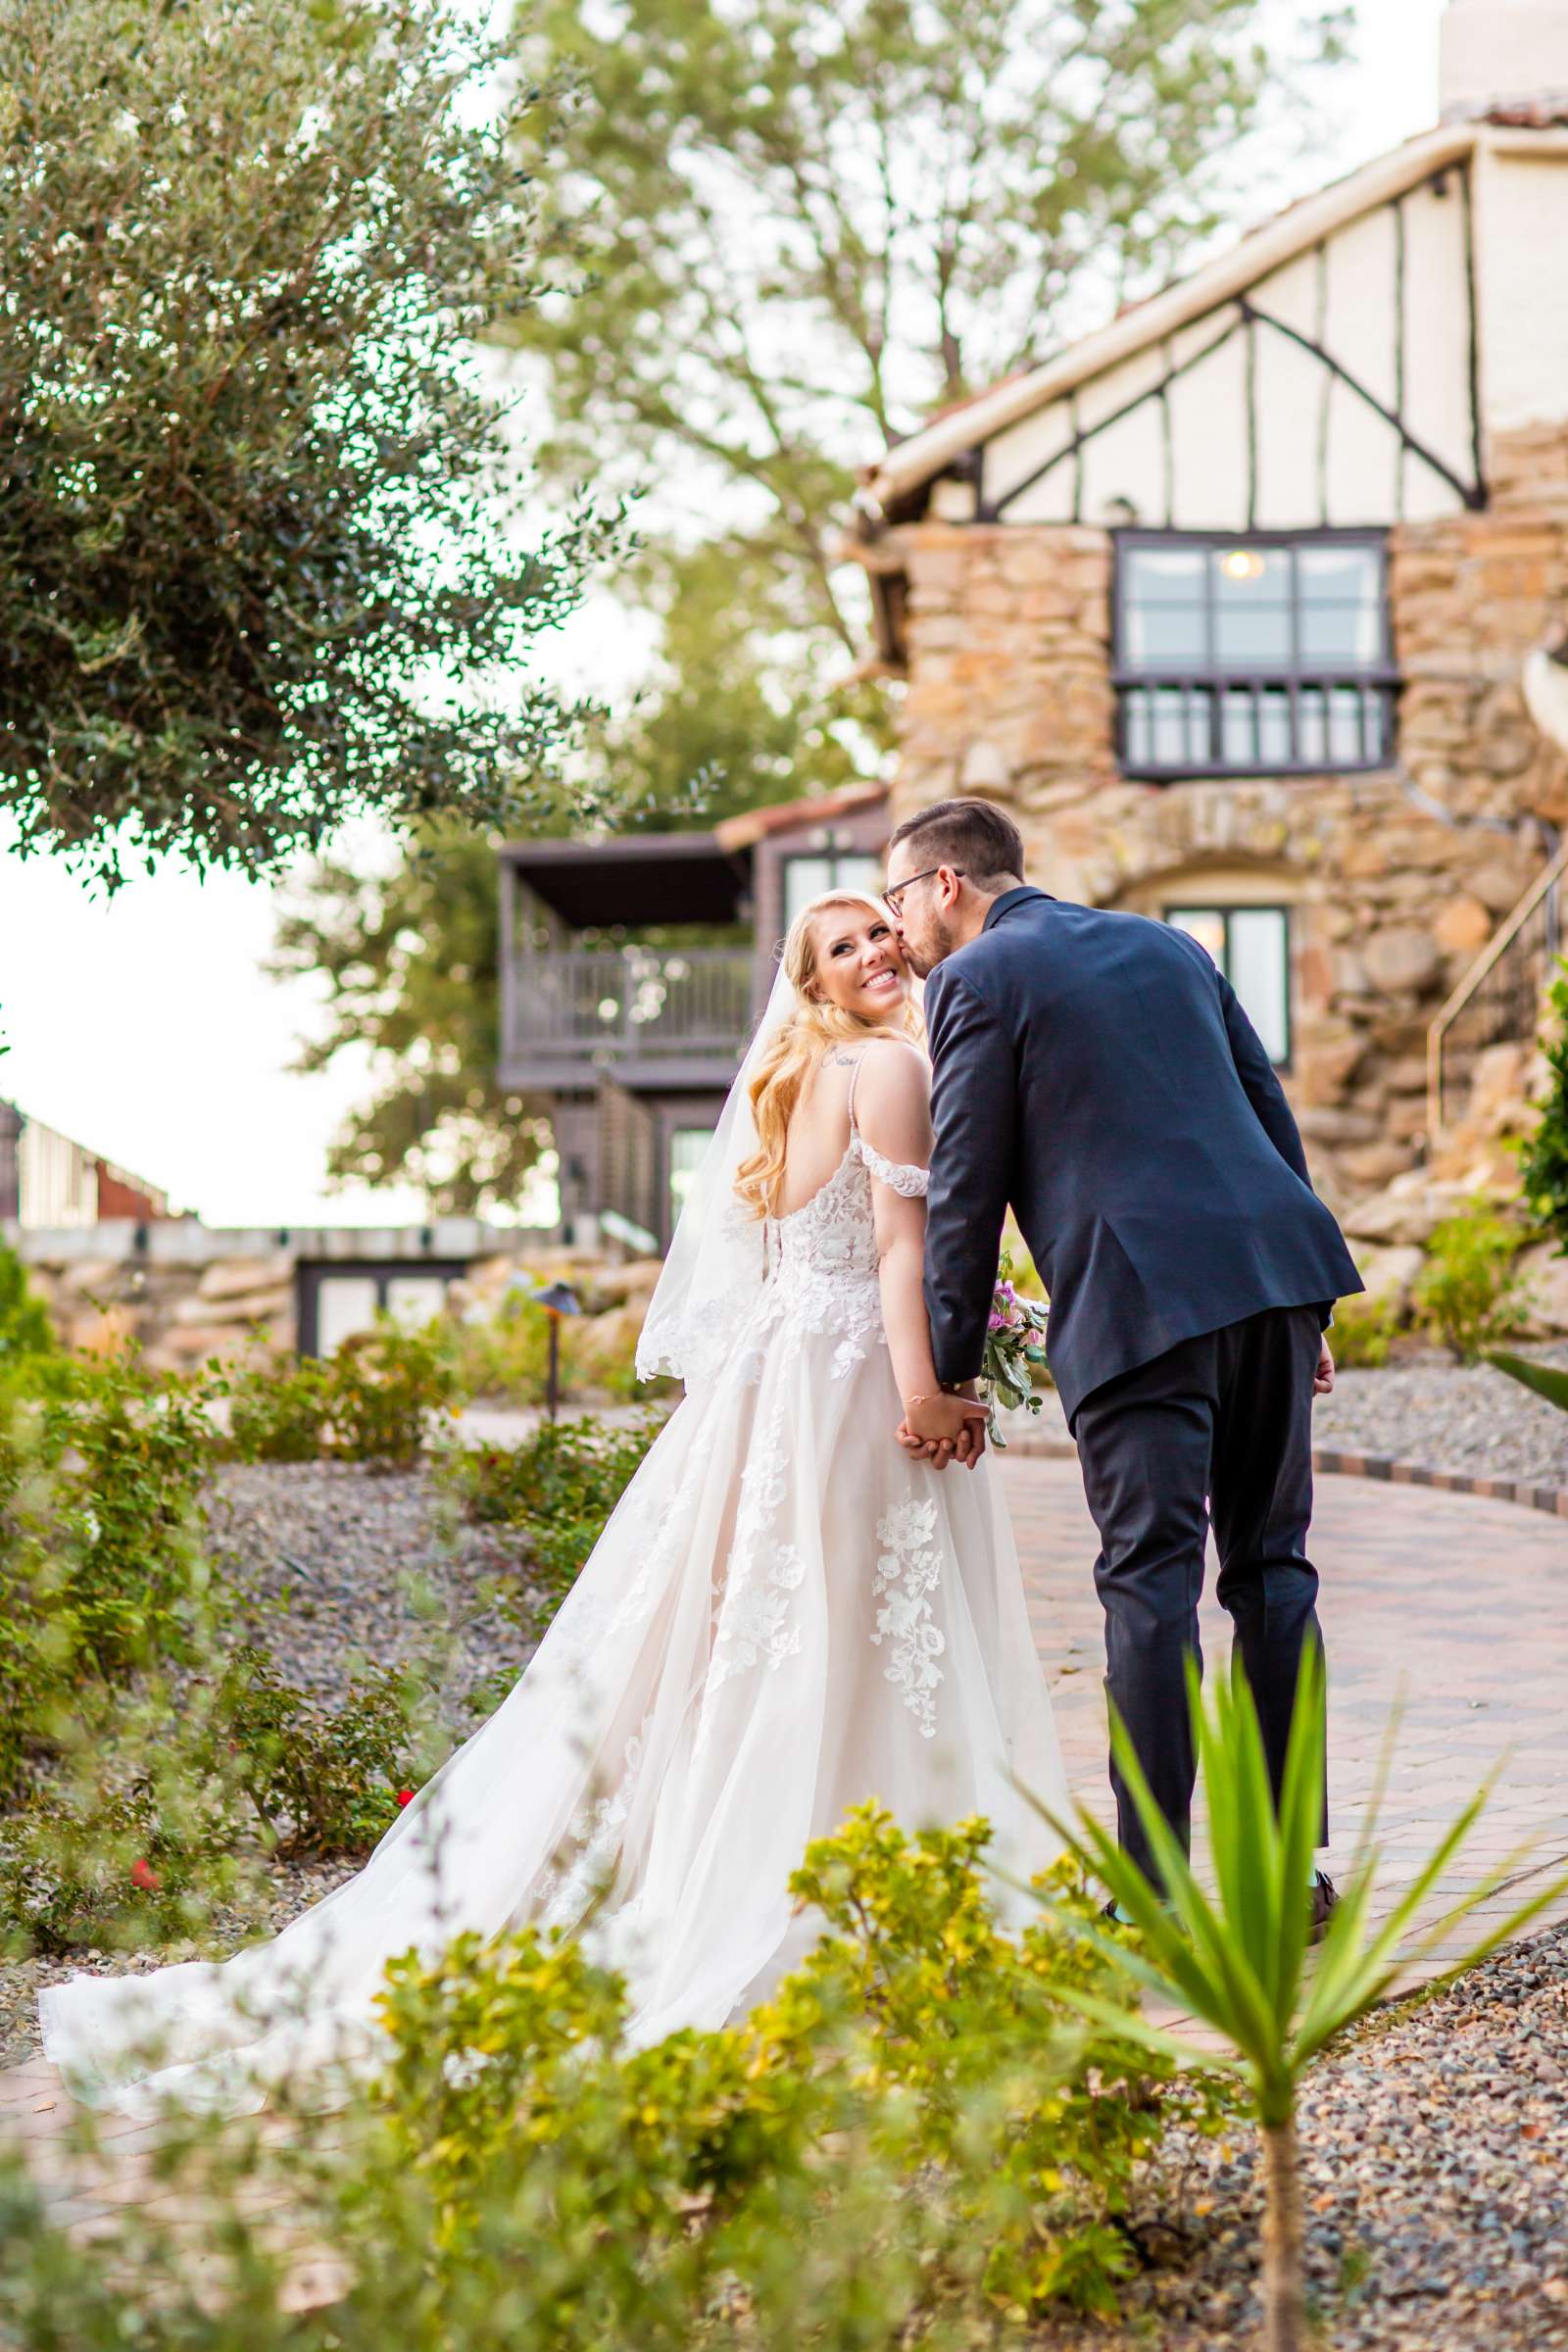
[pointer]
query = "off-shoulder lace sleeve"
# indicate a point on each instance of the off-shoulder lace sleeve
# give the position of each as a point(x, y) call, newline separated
point(913, 1183)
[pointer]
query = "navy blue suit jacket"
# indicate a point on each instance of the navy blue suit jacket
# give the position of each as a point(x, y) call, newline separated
point(1096, 1071)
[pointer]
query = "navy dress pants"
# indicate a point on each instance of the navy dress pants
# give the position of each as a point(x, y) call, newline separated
point(1218, 1431)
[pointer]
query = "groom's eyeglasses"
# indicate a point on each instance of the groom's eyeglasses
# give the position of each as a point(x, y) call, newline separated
point(893, 899)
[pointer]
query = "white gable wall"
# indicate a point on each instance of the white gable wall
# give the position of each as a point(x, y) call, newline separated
point(1320, 452)
point(1522, 274)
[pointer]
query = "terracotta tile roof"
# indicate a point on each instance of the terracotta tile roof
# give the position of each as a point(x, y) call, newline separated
point(754, 824)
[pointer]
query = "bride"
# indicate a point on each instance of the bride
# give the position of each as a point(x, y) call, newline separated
point(787, 1614)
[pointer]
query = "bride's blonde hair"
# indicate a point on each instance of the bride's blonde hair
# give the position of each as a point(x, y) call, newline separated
point(814, 1023)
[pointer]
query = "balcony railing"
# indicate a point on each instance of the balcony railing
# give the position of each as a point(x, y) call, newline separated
point(575, 1004)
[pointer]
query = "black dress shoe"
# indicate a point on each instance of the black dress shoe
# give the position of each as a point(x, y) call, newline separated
point(1323, 1897)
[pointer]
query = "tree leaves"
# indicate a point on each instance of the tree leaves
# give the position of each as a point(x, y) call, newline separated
point(261, 554)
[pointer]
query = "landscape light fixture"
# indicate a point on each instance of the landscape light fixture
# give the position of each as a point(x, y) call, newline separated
point(558, 1298)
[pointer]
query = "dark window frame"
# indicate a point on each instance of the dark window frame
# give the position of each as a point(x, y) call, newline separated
point(1198, 906)
point(311, 1272)
point(1375, 682)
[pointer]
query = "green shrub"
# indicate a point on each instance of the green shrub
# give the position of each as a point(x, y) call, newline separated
point(276, 1408)
point(324, 1780)
point(1544, 1162)
point(373, 1400)
point(1470, 1293)
point(555, 1490)
point(27, 1335)
point(1363, 1332)
point(122, 1866)
point(131, 1449)
point(919, 2125)
point(385, 1389)
point(918, 2141)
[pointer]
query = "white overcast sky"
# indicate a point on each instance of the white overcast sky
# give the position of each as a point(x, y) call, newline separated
point(145, 1026)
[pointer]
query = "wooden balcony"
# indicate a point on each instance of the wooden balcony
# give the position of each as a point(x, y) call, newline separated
point(648, 1020)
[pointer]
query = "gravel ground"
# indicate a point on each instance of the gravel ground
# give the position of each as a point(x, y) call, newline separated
point(1434, 2163)
point(1449, 1416)
point(325, 1554)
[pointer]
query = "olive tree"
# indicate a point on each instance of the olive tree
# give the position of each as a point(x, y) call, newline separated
point(262, 561)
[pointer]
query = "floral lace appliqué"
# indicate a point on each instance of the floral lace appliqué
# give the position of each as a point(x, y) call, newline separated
point(591, 1848)
point(912, 1183)
point(906, 1574)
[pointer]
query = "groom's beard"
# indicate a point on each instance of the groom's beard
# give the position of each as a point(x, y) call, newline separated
point(938, 943)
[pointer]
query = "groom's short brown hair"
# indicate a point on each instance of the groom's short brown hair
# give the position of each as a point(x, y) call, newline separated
point(974, 835)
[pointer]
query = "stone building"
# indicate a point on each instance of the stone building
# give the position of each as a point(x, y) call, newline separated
point(1230, 603)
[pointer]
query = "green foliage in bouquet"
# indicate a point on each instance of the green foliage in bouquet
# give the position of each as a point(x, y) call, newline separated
point(1014, 1353)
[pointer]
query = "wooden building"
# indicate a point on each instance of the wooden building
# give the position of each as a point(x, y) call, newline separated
point(1230, 601)
point(48, 1179)
point(632, 970)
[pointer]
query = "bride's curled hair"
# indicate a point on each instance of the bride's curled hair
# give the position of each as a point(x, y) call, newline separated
point(814, 1023)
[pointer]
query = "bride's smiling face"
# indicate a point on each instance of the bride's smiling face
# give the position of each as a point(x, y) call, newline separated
point(859, 966)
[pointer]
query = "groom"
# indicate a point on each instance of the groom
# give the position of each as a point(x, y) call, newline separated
point(1095, 1072)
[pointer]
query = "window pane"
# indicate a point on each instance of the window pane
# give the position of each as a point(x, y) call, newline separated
point(858, 871)
point(1338, 575)
point(1251, 606)
point(1163, 608)
point(687, 1146)
point(415, 1299)
point(1140, 733)
point(1237, 748)
point(1342, 605)
point(1275, 749)
point(805, 879)
point(1170, 731)
point(1205, 924)
point(345, 1303)
point(1340, 636)
point(1311, 721)
point(1260, 973)
point(1344, 725)
point(1166, 637)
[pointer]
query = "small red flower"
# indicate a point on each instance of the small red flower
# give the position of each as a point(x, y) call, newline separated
point(405, 1796)
point(143, 1875)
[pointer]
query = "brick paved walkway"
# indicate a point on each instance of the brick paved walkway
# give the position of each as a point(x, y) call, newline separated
point(1459, 1603)
point(1456, 1606)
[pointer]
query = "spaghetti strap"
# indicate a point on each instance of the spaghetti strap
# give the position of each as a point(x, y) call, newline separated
point(849, 1100)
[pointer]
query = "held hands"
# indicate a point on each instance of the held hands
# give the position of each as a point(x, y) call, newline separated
point(940, 1429)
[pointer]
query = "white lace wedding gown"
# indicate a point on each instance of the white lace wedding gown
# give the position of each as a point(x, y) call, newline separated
point(786, 1615)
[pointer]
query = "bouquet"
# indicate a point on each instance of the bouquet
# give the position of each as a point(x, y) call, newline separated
point(1014, 1346)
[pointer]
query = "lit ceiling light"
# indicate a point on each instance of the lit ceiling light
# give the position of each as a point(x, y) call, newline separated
point(1242, 563)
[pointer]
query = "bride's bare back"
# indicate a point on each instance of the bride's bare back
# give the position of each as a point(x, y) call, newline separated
point(819, 1127)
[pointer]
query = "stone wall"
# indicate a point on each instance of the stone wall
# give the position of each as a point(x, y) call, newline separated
point(1395, 878)
point(189, 1293)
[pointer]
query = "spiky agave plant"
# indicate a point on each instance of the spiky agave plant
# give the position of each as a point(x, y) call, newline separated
point(1241, 1959)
